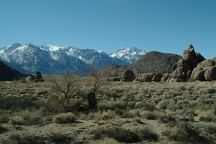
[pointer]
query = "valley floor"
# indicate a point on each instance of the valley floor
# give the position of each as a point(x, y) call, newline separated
point(127, 112)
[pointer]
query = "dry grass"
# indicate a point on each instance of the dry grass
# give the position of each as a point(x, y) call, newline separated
point(152, 111)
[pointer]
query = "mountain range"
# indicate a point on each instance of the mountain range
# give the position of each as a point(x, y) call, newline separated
point(30, 58)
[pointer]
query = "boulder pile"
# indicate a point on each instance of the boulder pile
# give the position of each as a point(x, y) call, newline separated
point(36, 78)
point(149, 77)
point(182, 70)
point(205, 71)
point(191, 67)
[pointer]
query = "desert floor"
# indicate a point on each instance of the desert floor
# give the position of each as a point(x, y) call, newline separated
point(127, 112)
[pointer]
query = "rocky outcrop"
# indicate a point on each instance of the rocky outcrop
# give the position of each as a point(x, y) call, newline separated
point(149, 77)
point(127, 75)
point(36, 78)
point(183, 69)
point(205, 71)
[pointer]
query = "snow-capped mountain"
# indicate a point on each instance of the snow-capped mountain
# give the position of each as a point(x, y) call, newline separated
point(56, 59)
point(88, 56)
point(129, 55)
point(31, 58)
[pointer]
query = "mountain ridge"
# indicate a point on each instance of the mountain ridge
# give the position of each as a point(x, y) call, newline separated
point(57, 59)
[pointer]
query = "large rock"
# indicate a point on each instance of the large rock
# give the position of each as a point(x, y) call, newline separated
point(198, 74)
point(206, 63)
point(127, 75)
point(157, 77)
point(183, 69)
point(210, 74)
point(147, 77)
point(165, 78)
point(205, 71)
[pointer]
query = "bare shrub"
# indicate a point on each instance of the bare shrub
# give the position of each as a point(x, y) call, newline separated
point(66, 90)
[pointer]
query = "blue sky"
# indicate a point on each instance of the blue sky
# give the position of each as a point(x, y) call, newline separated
point(162, 25)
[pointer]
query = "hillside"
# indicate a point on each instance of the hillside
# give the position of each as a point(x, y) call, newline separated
point(8, 74)
point(154, 61)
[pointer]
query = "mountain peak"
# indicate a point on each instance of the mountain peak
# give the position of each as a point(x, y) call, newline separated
point(129, 55)
point(52, 48)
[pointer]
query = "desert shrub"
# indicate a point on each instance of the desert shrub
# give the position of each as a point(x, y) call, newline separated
point(123, 113)
point(4, 117)
point(149, 115)
point(209, 117)
point(106, 141)
point(16, 120)
point(107, 115)
point(3, 129)
point(171, 105)
point(145, 134)
point(18, 102)
point(167, 118)
point(134, 113)
point(183, 132)
point(64, 118)
point(59, 138)
point(117, 133)
point(26, 139)
point(30, 117)
point(52, 105)
point(112, 105)
point(206, 115)
point(163, 104)
point(145, 106)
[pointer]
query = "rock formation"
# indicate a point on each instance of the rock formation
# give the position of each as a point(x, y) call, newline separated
point(205, 71)
point(182, 70)
point(127, 75)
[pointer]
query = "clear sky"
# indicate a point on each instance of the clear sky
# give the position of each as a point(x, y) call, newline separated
point(162, 25)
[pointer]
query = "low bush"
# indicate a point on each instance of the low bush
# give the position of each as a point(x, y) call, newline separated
point(150, 116)
point(31, 117)
point(17, 120)
point(3, 129)
point(145, 134)
point(117, 133)
point(64, 118)
point(184, 133)
point(108, 105)
point(59, 138)
point(26, 139)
